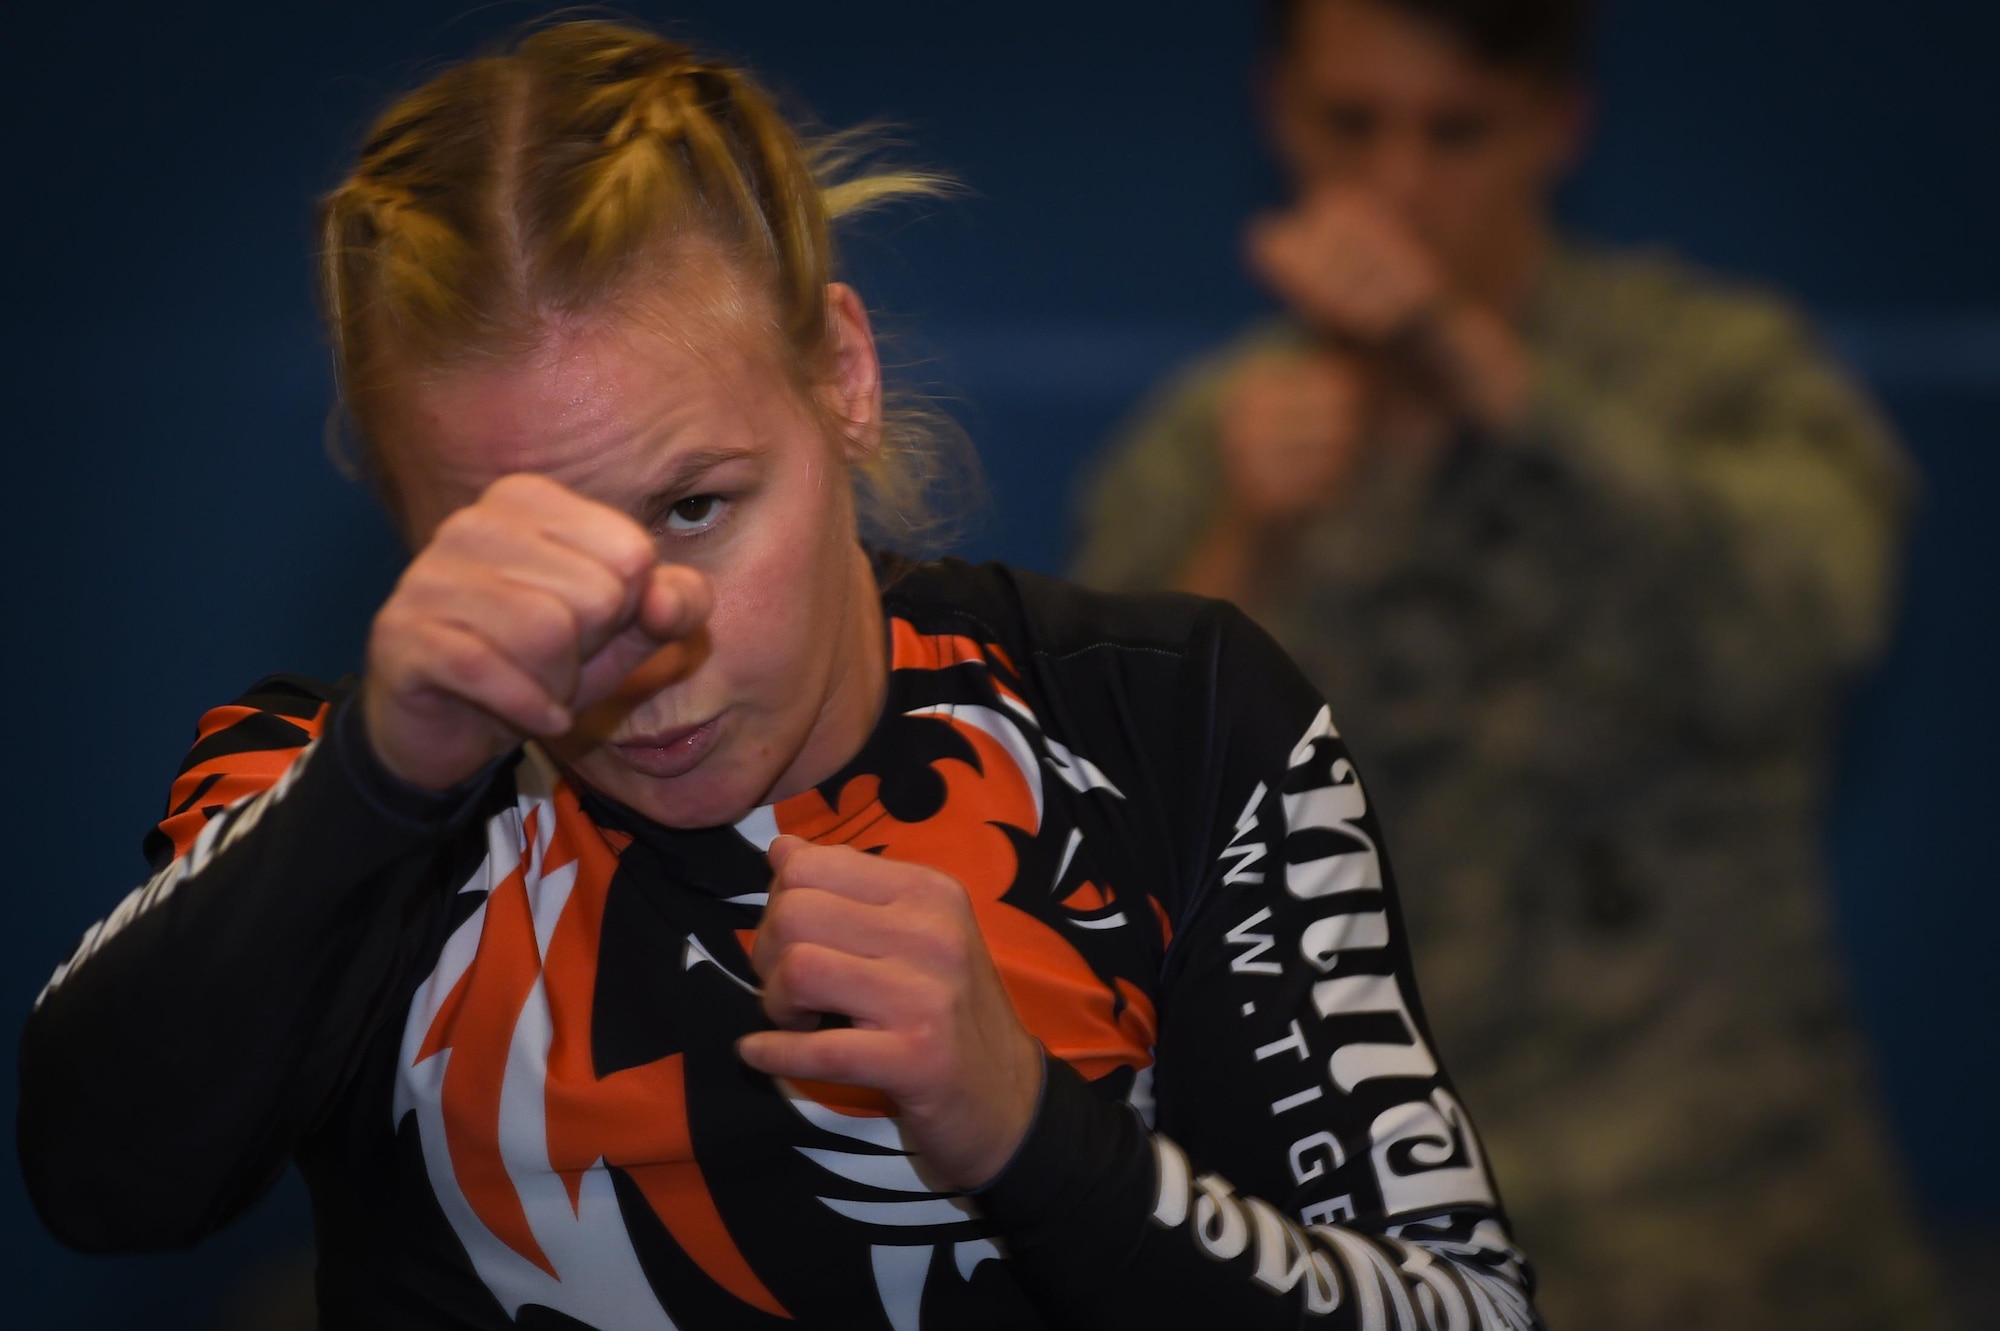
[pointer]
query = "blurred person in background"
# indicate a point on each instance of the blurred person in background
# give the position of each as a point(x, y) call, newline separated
point(1586, 545)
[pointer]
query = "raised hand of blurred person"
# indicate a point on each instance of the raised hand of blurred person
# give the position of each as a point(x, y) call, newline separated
point(525, 610)
point(1346, 264)
point(1293, 430)
point(1352, 269)
point(895, 947)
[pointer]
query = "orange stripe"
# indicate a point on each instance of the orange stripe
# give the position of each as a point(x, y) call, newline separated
point(633, 1119)
point(1088, 897)
point(243, 774)
point(911, 650)
point(479, 1031)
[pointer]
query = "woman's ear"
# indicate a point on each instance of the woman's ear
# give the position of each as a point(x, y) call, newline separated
point(852, 391)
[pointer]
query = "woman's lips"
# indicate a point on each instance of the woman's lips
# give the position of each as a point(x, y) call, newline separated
point(669, 753)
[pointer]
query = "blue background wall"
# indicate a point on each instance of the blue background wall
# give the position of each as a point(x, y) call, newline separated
point(173, 529)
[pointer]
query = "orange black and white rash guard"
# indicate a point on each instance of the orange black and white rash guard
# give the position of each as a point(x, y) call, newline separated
point(495, 1028)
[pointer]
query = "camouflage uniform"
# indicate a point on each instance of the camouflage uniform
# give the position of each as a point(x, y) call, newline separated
point(1589, 670)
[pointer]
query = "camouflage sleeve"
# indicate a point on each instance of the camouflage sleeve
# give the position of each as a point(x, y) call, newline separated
point(1748, 501)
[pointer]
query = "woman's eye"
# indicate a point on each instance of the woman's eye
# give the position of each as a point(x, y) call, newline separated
point(694, 513)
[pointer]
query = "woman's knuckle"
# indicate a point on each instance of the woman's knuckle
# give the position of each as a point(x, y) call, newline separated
point(396, 620)
point(927, 1054)
point(517, 487)
point(470, 525)
point(632, 549)
point(800, 965)
point(950, 944)
point(782, 923)
point(602, 599)
point(459, 658)
point(547, 624)
point(454, 525)
point(809, 861)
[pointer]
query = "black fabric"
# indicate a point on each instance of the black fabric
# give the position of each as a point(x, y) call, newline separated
point(496, 1026)
point(1076, 1190)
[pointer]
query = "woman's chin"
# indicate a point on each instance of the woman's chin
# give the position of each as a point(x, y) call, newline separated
point(711, 793)
point(685, 810)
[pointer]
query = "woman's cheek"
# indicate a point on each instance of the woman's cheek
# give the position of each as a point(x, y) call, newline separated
point(756, 614)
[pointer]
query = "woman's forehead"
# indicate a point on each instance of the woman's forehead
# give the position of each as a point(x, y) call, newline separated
point(613, 395)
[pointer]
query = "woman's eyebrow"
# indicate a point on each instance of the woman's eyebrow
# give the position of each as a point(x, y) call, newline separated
point(686, 469)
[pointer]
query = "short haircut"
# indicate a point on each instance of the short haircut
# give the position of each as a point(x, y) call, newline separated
point(1549, 39)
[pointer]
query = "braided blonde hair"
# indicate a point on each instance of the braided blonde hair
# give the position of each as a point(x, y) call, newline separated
point(565, 176)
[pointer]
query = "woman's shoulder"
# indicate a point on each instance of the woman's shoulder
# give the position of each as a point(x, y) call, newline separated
point(1041, 616)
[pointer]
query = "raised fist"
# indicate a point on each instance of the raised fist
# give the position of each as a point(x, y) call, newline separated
point(1344, 262)
point(1293, 431)
point(525, 610)
point(895, 947)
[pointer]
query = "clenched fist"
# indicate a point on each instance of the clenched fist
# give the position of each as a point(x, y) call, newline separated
point(895, 947)
point(1344, 261)
point(1293, 431)
point(525, 610)
point(1350, 268)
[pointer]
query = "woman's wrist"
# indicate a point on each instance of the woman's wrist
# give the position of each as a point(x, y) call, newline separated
point(387, 791)
point(1036, 1106)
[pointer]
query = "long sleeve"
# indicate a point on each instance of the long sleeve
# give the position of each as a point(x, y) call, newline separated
point(177, 1059)
point(1745, 485)
point(1313, 1164)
